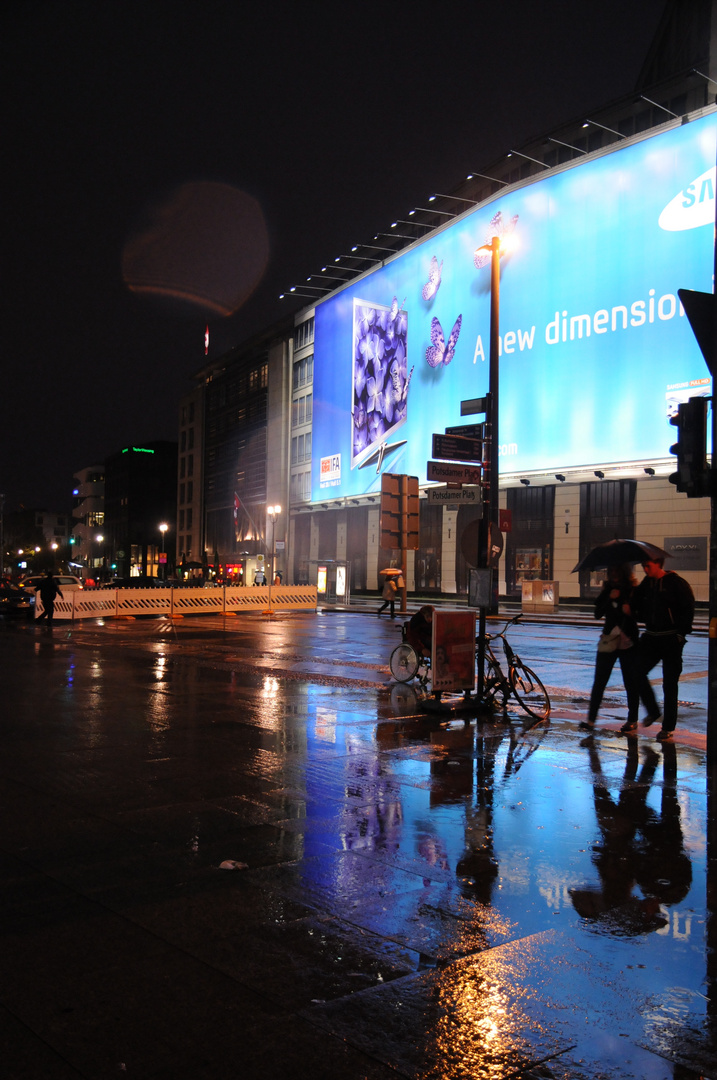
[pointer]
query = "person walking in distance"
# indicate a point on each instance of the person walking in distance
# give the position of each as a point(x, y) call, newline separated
point(389, 596)
point(48, 590)
point(665, 603)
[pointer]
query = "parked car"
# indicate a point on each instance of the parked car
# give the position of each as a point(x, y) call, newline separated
point(16, 601)
point(67, 582)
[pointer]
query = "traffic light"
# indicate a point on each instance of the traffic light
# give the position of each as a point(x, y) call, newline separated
point(693, 472)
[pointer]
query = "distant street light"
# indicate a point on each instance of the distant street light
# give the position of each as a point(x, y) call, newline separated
point(272, 513)
point(163, 529)
point(99, 538)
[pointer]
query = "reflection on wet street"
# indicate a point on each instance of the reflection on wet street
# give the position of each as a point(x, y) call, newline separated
point(438, 896)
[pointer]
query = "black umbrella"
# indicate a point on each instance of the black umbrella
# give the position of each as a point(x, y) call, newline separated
point(615, 552)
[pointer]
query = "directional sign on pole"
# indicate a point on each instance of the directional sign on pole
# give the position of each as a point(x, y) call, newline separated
point(447, 472)
point(468, 431)
point(457, 448)
point(445, 495)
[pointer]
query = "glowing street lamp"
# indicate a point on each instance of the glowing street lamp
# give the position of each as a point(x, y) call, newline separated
point(272, 512)
point(163, 529)
point(501, 239)
point(500, 243)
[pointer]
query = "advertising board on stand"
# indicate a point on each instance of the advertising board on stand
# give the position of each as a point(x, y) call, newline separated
point(595, 347)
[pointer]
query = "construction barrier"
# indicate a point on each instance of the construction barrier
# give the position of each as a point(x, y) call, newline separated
point(170, 603)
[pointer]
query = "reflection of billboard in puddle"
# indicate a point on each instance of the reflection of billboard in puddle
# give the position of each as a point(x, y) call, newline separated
point(326, 725)
point(379, 389)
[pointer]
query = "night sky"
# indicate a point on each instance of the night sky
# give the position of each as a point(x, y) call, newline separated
point(335, 119)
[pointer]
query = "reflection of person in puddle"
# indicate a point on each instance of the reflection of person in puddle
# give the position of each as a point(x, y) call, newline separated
point(663, 866)
point(656, 862)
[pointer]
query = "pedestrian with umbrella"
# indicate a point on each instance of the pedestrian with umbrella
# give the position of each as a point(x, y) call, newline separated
point(618, 641)
point(389, 591)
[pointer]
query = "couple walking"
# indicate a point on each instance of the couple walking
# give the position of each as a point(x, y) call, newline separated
point(664, 602)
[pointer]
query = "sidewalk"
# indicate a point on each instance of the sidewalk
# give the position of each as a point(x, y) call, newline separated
point(568, 614)
point(412, 898)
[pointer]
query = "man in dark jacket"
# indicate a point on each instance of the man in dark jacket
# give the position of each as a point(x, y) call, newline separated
point(665, 603)
point(48, 590)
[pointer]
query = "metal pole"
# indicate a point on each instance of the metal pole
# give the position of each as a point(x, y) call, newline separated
point(404, 540)
point(493, 381)
point(271, 561)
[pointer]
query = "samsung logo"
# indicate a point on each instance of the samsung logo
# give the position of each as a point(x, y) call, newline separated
point(694, 206)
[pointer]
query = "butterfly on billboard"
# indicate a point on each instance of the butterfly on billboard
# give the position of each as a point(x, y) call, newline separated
point(393, 313)
point(401, 392)
point(441, 351)
point(434, 279)
point(497, 227)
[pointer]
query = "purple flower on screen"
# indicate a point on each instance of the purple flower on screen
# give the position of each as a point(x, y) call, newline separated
point(360, 439)
point(374, 391)
point(359, 378)
point(376, 427)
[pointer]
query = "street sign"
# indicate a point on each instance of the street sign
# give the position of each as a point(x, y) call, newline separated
point(468, 431)
point(447, 472)
point(457, 448)
point(474, 405)
point(455, 495)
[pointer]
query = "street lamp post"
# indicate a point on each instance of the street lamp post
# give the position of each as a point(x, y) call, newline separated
point(499, 243)
point(163, 529)
point(272, 513)
point(99, 538)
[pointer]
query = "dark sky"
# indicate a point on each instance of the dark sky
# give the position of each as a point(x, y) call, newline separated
point(336, 117)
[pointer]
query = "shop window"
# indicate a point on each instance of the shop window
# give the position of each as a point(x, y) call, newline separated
point(529, 544)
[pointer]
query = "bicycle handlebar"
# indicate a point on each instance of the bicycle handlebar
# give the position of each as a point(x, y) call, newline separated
point(493, 637)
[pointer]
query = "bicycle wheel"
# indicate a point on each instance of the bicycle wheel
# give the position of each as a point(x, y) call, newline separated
point(495, 687)
point(403, 662)
point(529, 691)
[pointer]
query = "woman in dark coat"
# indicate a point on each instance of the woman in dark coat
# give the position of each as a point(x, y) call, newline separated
point(618, 641)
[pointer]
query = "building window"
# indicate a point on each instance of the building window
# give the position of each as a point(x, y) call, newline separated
point(190, 465)
point(304, 334)
point(181, 493)
point(303, 372)
point(190, 490)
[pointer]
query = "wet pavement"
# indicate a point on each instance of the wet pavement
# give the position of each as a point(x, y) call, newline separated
point(414, 895)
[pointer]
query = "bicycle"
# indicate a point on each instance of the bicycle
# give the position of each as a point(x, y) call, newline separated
point(521, 682)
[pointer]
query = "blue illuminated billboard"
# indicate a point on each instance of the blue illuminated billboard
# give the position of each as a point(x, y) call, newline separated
point(595, 347)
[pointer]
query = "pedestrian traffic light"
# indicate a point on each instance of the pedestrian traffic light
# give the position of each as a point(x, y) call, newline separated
point(693, 472)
